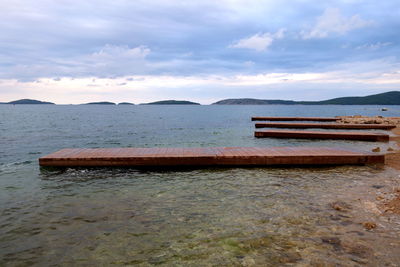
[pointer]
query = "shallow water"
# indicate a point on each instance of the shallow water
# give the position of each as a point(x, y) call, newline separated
point(214, 217)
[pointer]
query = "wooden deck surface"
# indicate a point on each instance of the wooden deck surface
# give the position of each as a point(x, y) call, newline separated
point(207, 156)
point(293, 119)
point(362, 136)
point(324, 125)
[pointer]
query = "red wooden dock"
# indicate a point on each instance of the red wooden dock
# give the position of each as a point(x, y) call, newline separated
point(324, 125)
point(293, 119)
point(323, 135)
point(207, 156)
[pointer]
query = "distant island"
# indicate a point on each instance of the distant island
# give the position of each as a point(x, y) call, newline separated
point(100, 103)
point(28, 102)
point(172, 102)
point(252, 101)
point(388, 98)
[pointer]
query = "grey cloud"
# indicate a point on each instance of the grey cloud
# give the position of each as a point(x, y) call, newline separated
point(102, 38)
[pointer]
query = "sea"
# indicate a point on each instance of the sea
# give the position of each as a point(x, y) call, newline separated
point(275, 216)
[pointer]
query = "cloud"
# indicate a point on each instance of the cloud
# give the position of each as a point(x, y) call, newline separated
point(139, 41)
point(373, 46)
point(332, 21)
point(113, 52)
point(356, 78)
point(113, 60)
point(108, 61)
point(259, 42)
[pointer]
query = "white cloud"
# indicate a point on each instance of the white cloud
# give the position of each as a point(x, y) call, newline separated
point(332, 21)
point(259, 42)
point(359, 78)
point(109, 61)
point(374, 46)
point(113, 52)
point(115, 60)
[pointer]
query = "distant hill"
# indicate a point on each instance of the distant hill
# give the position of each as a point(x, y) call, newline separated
point(388, 98)
point(252, 101)
point(172, 102)
point(100, 103)
point(125, 103)
point(28, 102)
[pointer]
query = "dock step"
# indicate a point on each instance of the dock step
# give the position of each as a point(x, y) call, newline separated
point(377, 137)
point(324, 125)
point(208, 156)
point(293, 119)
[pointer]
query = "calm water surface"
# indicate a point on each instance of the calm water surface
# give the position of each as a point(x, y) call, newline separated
point(207, 217)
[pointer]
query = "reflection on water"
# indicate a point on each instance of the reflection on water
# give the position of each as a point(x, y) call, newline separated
point(203, 217)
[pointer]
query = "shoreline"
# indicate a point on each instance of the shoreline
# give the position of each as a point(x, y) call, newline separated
point(389, 203)
point(392, 157)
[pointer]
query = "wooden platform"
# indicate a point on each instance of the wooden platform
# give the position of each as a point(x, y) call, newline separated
point(324, 125)
point(207, 156)
point(362, 136)
point(293, 119)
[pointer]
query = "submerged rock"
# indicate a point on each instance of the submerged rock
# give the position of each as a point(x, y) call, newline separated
point(340, 206)
point(332, 240)
point(290, 257)
point(369, 225)
point(370, 206)
point(356, 249)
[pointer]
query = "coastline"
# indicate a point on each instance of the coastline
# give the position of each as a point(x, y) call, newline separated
point(393, 155)
point(389, 201)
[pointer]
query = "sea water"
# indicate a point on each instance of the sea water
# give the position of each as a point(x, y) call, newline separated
point(195, 217)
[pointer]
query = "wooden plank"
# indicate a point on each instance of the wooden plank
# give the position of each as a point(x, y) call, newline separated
point(208, 156)
point(294, 119)
point(361, 136)
point(324, 125)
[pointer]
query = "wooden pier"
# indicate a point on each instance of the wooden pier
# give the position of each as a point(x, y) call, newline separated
point(324, 125)
point(208, 156)
point(377, 137)
point(293, 119)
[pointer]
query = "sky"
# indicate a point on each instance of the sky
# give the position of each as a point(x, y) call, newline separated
point(70, 51)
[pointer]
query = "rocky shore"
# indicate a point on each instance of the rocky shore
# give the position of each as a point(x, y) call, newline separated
point(389, 201)
point(393, 154)
point(358, 119)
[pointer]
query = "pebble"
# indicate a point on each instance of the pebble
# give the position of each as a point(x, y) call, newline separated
point(332, 240)
point(340, 206)
point(248, 261)
point(369, 225)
